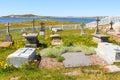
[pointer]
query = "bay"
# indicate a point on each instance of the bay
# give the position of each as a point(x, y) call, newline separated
point(86, 20)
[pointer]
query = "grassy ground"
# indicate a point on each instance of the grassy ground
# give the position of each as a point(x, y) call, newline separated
point(34, 73)
point(37, 23)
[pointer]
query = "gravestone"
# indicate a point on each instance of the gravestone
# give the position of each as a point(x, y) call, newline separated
point(82, 28)
point(42, 30)
point(76, 59)
point(108, 52)
point(21, 56)
point(32, 40)
point(99, 37)
point(8, 37)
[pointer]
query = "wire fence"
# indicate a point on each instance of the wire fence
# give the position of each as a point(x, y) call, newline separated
point(37, 28)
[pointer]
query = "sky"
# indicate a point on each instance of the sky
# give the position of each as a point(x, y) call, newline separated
point(61, 7)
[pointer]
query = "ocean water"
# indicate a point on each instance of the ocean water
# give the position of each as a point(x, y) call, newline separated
point(86, 20)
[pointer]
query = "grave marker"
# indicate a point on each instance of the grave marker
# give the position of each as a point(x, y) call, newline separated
point(8, 37)
point(42, 30)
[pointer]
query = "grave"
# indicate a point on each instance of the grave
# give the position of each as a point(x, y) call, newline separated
point(75, 59)
point(56, 39)
point(82, 28)
point(108, 52)
point(99, 37)
point(21, 56)
point(32, 40)
point(42, 30)
point(8, 37)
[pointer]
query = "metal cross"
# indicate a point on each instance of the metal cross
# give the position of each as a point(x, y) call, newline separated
point(111, 23)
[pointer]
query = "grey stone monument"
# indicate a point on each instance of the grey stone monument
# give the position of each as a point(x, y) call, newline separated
point(97, 28)
point(32, 40)
point(42, 30)
point(33, 26)
point(82, 28)
point(8, 37)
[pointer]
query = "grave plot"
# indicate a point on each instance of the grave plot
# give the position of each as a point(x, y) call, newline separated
point(56, 39)
point(8, 38)
point(21, 56)
point(108, 52)
point(76, 59)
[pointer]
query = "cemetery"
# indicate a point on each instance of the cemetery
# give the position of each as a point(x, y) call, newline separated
point(59, 53)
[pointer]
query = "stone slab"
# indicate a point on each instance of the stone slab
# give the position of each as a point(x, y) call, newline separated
point(100, 38)
point(5, 44)
point(76, 59)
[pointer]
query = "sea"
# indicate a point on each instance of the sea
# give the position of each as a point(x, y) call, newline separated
point(85, 20)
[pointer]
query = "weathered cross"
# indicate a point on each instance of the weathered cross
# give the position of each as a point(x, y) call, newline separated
point(111, 23)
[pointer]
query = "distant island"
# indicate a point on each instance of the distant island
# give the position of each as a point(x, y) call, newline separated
point(25, 16)
point(37, 16)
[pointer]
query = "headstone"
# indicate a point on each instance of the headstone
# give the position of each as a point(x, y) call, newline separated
point(32, 40)
point(108, 52)
point(97, 28)
point(21, 56)
point(42, 30)
point(8, 37)
point(82, 28)
point(76, 60)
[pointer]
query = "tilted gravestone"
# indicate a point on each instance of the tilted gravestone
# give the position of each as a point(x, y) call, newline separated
point(8, 37)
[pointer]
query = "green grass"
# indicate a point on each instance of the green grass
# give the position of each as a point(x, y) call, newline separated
point(33, 73)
